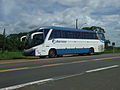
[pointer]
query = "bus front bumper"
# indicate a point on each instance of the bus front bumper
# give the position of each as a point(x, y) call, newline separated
point(29, 52)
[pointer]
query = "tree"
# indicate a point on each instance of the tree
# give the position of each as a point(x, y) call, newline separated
point(1, 41)
point(87, 28)
point(94, 28)
point(106, 43)
point(99, 29)
point(14, 42)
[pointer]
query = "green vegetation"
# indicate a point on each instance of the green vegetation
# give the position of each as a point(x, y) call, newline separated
point(94, 28)
point(11, 46)
point(12, 55)
point(18, 54)
point(112, 50)
point(11, 42)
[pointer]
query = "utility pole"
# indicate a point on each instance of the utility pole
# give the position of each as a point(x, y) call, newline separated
point(4, 41)
point(76, 24)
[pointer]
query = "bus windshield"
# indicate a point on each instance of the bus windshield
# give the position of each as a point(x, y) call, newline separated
point(35, 38)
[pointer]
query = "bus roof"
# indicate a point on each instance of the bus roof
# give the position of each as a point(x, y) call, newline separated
point(65, 29)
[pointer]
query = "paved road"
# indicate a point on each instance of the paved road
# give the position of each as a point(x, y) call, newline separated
point(67, 73)
point(103, 80)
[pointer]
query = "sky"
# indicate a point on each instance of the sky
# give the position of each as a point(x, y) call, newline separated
point(25, 15)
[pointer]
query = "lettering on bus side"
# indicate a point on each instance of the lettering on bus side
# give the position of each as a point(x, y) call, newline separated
point(58, 41)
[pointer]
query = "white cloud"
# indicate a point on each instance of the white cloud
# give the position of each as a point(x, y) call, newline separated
point(8, 6)
point(22, 15)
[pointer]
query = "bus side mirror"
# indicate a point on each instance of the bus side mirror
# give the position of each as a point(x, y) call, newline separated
point(113, 43)
point(23, 38)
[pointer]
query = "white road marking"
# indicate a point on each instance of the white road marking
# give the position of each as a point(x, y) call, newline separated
point(104, 68)
point(57, 78)
point(40, 81)
point(26, 84)
point(68, 76)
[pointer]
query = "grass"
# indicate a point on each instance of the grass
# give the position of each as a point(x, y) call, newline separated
point(109, 50)
point(13, 55)
point(18, 55)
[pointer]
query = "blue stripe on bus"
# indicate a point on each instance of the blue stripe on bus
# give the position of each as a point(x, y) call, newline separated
point(72, 51)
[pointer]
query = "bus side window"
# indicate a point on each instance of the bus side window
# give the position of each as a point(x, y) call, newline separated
point(55, 34)
point(86, 35)
point(95, 36)
point(64, 34)
point(90, 35)
point(69, 34)
point(82, 35)
point(46, 32)
point(75, 35)
point(101, 36)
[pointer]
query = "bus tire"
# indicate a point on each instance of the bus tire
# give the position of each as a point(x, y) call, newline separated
point(91, 51)
point(52, 53)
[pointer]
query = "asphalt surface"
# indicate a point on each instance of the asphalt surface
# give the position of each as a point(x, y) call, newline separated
point(103, 80)
point(17, 73)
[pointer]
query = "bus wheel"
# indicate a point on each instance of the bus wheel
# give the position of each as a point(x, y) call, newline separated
point(91, 51)
point(52, 53)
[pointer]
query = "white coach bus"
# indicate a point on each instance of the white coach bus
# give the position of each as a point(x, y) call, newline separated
point(53, 41)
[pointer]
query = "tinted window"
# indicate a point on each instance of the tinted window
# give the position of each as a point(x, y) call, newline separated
point(55, 34)
point(64, 34)
point(101, 36)
point(46, 32)
point(73, 35)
